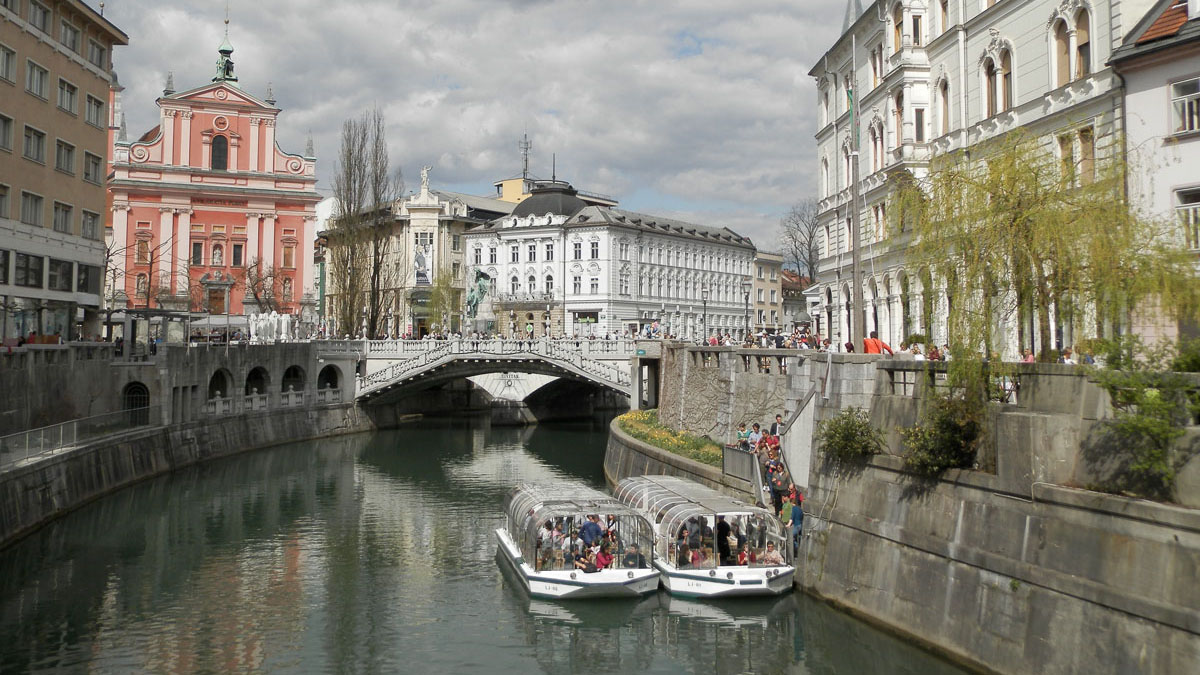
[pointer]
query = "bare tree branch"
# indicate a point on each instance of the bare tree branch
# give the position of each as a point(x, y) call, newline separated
point(798, 237)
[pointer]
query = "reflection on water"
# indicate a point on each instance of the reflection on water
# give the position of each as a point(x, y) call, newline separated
point(372, 552)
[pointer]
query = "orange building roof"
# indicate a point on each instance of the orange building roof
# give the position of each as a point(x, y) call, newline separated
point(1167, 24)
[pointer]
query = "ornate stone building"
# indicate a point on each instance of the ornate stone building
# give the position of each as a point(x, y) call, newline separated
point(564, 265)
point(933, 76)
point(208, 212)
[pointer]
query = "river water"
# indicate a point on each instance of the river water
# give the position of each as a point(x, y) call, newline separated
point(374, 553)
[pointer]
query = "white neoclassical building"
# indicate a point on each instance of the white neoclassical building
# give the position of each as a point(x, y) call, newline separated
point(562, 264)
point(933, 76)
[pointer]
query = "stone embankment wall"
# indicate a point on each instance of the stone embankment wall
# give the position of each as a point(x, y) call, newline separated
point(42, 385)
point(1010, 568)
point(33, 495)
point(627, 456)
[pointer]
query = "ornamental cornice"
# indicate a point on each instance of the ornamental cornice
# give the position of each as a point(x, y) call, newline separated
point(186, 114)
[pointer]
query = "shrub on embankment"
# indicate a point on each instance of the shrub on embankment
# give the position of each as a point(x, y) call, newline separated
point(644, 426)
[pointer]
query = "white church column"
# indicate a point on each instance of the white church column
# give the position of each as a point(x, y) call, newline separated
point(168, 134)
point(269, 146)
point(254, 147)
point(185, 138)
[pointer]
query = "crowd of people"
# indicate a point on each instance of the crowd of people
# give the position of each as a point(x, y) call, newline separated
point(735, 541)
point(589, 543)
point(786, 500)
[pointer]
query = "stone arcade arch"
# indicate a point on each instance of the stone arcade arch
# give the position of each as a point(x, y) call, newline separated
point(293, 379)
point(257, 381)
point(220, 384)
point(135, 402)
point(329, 377)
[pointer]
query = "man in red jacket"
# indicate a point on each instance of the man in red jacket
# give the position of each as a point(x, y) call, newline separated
point(873, 345)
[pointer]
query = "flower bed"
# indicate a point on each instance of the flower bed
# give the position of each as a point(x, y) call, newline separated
point(644, 426)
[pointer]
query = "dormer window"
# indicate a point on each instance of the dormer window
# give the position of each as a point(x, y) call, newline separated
point(220, 153)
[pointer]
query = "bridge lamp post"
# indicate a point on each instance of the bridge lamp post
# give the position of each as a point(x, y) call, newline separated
point(704, 320)
point(746, 318)
point(389, 322)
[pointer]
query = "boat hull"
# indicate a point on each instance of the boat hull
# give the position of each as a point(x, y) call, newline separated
point(745, 581)
point(571, 585)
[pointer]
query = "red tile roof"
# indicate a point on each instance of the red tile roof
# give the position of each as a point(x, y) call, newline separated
point(1167, 24)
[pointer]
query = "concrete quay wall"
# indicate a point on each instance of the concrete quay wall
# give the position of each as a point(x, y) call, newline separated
point(33, 495)
point(627, 456)
point(1054, 580)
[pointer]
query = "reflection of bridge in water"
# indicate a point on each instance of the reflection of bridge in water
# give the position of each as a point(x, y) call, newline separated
point(389, 368)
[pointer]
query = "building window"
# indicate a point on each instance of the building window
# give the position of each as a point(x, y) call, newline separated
point(1087, 155)
point(87, 279)
point(197, 253)
point(238, 250)
point(92, 167)
point(595, 250)
point(898, 121)
point(67, 96)
point(456, 269)
point(3, 268)
point(90, 225)
point(897, 28)
point(919, 124)
point(6, 127)
point(68, 35)
point(1189, 217)
point(3, 203)
point(39, 16)
point(595, 286)
point(944, 15)
point(760, 295)
point(515, 253)
point(533, 253)
point(532, 281)
point(1062, 54)
point(289, 257)
point(577, 249)
point(1006, 80)
point(95, 111)
point(1083, 45)
point(8, 64)
point(28, 270)
point(35, 145)
point(62, 217)
point(1066, 158)
point(64, 157)
point(577, 285)
point(31, 209)
point(97, 54)
point(944, 92)
point(1185, 106)
point(760, 272)
point(60, 276)
point(989, 84)
point(492, 255)
point(478, 256)
point(916, 30)
point(220, 152)
point(514, 285)
point(456, 242)
point(549, 252)
point(549, 284)
point(35, 79)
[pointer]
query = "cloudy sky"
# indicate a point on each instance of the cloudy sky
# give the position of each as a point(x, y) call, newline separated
point(694, 109)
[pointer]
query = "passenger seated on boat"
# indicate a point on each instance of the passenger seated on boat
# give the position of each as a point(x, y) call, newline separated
point(743, 557)
point(591, 530)
point(684, 559)
point(772, 557)
point(586, 561)
point(697, 558)
point(604, 558)
point(633, 558)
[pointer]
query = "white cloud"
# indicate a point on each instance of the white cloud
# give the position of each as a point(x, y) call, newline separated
point(700, 110)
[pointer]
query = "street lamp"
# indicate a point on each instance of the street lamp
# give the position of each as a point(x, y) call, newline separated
point(704, 320)
point(746, 318)
point(364, 324)
point(389, 322)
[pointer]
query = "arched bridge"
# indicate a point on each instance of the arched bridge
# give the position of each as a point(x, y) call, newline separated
point(406, 365)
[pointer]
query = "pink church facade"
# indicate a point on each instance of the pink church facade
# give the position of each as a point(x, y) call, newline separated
point(208, 213)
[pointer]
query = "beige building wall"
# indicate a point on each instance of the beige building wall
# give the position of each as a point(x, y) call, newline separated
point(766, 295)
point(55, 72)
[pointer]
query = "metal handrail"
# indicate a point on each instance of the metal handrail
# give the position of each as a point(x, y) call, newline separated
point(33, 444)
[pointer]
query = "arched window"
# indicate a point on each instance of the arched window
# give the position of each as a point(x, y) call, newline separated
point(549, 283)
point(899, 119)
point(825, 177)
point(897, 27)
point(532, 283)
point(515, 283)
point(1006, 80)
point(1062, 54)
point(989, 83)
point(1083, 45)
point(872, 138)
point(944, 93)
point(220, 153)
point(825, 109)
point(848, 169)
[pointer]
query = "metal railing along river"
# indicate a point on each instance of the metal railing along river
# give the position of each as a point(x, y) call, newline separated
point(35, 444)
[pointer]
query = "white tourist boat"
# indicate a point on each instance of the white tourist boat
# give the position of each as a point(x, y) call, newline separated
point(543, 557)
point(687, 518)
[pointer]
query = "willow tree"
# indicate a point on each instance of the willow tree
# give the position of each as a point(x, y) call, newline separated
point(1010, 229)
point(361, 270)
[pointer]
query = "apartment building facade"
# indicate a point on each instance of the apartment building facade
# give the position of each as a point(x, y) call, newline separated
point(55, 74)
